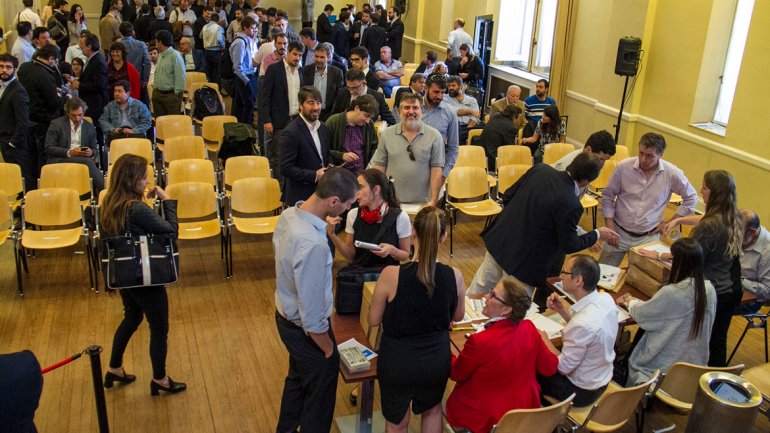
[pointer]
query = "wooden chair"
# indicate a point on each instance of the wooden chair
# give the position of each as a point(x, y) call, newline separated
point(213, 131)
point(591, 203)
point(615, 406)
point(621, 153)
point(244, 167)
point(184, 147)
point(193, 87)
point(507, 175)
point(555, 151)
point(679, 385)
point(12, 183)
point(192, 78)
point(604, 177)
point(7, 232)
point(250, 197)
point(466, 183)
point(474, 156)
point(135, 146)
point(69, 175)
point(513, 154)
point(408, 72)
point(50, 207)
point(172, 125)
point(198, 212)
point(473, 133)
point(759, 376)
point(540, 420)
point(192, 170)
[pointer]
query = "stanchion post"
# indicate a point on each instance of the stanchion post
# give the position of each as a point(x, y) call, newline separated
point(96, 372)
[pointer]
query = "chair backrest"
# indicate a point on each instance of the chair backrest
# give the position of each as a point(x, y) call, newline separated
point(555, 151)
point(195, 85)
point(172, 125)
point(191, 170)
point(6, 219)
point(615, 407)
point(213, 129)
point(194, 199)
point(473, 133)
point(604, 175)
point(621, 153)
point(184, 147)
point(507, 175)
point(52, 207)
point(540, 420)
point(194, 77)
point(512, 154)
point(681, 380)
point(135, 146)
point(244, 167)
point(67, 175)
point(408, 72)
point(11, 180)
point(471, 156)
point(255, 195)
point(467, 182)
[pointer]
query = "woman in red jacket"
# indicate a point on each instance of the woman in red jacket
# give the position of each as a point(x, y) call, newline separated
point(495, 372)
point(121, 69)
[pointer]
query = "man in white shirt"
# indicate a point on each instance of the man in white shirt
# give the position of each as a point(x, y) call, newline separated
point(22, 47)
point(186, 15)
point(28, 15)
point(457, 37)
point(588, 339)
point(213, 37)
point(755, 262)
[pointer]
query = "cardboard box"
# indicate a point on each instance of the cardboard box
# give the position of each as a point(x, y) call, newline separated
point(659, 270)
point(363, 317)
point(642, 281)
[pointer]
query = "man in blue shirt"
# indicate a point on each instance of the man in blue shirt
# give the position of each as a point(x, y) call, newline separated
point(245, 76)
point(303, 303)
point(436, 113)
point(535, 104)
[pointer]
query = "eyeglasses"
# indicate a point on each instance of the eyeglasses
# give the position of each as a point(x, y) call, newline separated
point(355, 59)
point(411, 153)
point(493, 295)
point(565, 272)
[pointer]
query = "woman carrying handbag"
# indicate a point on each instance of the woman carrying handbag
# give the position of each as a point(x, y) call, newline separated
point(123, 206)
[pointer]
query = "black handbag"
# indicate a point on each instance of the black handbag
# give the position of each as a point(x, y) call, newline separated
point(131, 261)
point(350, 286)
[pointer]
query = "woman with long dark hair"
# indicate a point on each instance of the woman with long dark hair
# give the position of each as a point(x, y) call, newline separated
point(415, 303)
point(76, 23)
point(123, 205)
point(549, 130)
point(378, 220)
point(720, 232)
point(470, 69)
point(677, 321)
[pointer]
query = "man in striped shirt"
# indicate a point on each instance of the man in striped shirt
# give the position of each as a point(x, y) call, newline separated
point(535, 104)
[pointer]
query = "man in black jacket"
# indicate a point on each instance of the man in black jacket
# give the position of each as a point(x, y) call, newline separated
point(325, 77)
point(323, 26)
point(340, 36)
point(46, 99)
point(499, 131)
point(538, 222)
point(355, 85)
point(14, 119)
point(395, 31)
point(373, 39)
point(92, 83)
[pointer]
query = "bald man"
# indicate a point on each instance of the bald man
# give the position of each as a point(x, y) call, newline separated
point(511, 98)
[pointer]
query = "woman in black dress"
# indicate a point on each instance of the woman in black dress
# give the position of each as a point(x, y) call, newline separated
point(122, 203)
point(415, 303)
point(471, 70)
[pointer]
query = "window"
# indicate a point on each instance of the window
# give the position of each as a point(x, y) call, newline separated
point(732, 66)
point(527, 38)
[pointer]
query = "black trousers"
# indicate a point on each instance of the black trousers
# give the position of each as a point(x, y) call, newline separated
point(726, 304)
point(243, 101)
point(310, 387)
point(37, 133)
point(20, 156)
point(212, 65)
point(153, 303)
point(560, 387)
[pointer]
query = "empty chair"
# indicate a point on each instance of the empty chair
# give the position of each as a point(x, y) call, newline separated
point(473, 133)
point(474, 156)
point(172, 125)
point(512, 154)
point(244, 167)
point(6, 231)
point(555, 151)
point(192, 170)
point(184, 147)
point(604, 176)
point(53, 207)
point(408, 72)
point(540, 420)
point(213, 130)
point(680, 384)
point(507, 175)
point(66, 175)
point(468, 183)
point(134, 146)
point(12, 183)
point(591, 203)
point(621, 153)
point(250, 198)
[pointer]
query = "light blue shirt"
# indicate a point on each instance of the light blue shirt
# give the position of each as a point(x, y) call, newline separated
point(319, 81)
point(303, 270)
point(240, 51)
point(445, 121)
point(394, 65)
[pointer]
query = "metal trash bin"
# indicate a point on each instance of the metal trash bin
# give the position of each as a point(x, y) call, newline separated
point(724, 402)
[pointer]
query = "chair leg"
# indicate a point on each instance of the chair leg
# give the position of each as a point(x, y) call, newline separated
point(593, 215)
point(764, 326)
point(737, 345)
point(452, 217)
point(17, 259)
point(90, 264)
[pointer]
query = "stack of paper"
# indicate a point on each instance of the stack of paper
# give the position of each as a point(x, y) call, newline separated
point(543, 323)
point(368, 353)
point(609, 278)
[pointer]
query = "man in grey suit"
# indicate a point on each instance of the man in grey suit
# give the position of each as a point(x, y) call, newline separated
point(70, 139)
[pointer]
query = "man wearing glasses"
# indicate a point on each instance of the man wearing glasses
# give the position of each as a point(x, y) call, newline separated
point(355, 86)
point(412, 153)
point(588, 339)
point(359, 59)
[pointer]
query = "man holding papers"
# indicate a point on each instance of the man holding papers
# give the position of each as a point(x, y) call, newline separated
point(588, 339)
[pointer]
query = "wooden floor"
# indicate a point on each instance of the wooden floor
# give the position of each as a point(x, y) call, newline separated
point(222, 342)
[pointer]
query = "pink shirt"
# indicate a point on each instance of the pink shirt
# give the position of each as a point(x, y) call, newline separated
point(269, 60)
point(637, 204)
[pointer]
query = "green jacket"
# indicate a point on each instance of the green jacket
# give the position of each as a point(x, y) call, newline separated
point(336, 124)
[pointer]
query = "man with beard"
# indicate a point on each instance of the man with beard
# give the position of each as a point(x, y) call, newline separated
point(14, 119)
point(466, 109)
point(124, 116)
point(326, 78)
point(437, 114)
point(304, 148)
point(535, 104)
point(412, 153)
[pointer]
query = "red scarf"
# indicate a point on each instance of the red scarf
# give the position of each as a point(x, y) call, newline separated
point(372, 216)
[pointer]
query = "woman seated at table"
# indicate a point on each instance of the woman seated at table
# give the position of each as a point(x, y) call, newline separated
point(377, 220)
point(677, 320)
point(495, 372)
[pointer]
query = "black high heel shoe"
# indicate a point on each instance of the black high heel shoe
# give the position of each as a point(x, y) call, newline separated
point(110, 378)
point(173, 387)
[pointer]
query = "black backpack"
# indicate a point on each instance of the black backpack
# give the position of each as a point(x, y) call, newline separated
point(239, 139)
point(226, 62)
point(207, 103)
point(56, 29)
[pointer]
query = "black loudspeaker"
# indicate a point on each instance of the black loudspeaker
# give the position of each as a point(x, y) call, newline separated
point(627, 62)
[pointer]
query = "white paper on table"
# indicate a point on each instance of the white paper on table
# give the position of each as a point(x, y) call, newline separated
point(659, 248)
point(551, 327)
point(609, 278)
point(368, 353)
point(623, 315)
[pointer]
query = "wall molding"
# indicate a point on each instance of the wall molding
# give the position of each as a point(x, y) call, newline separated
point(421, 42)
point(741, 155)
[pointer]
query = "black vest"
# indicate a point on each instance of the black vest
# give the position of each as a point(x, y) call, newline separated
point(377, 233)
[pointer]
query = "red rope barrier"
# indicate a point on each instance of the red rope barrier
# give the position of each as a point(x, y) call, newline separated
point(60, 363)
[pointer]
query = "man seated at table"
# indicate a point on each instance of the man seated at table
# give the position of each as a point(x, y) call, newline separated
point(755, 262)
point(70, 139)
point(466, 107)
point(124, 116)
point(588, 339)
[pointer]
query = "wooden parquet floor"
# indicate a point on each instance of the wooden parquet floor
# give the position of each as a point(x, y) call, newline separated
point(222, 341)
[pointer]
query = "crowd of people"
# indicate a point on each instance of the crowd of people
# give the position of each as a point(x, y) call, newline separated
point(314, 96)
